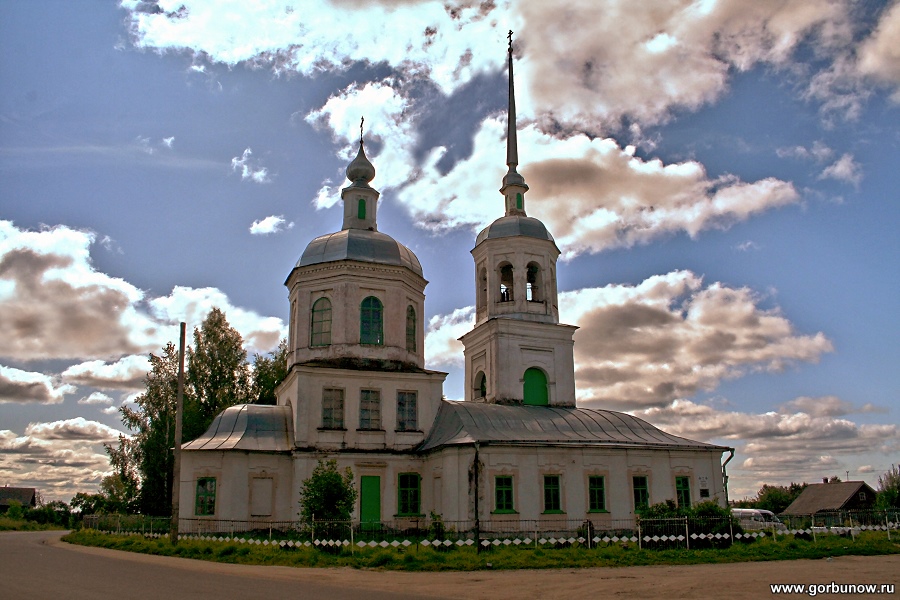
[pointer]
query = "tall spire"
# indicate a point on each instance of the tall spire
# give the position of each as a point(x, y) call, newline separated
point(515, 204)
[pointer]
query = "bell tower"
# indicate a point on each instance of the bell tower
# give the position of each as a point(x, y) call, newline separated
point(518, 352)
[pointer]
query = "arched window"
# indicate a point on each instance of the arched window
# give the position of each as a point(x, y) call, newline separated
point(410, 329)
point(371, 322)
point(480, 385)
point(361, 209)
point(506, 283)
point(320, 326)
point(519, 201)
point(535, 389)
point(533, 283)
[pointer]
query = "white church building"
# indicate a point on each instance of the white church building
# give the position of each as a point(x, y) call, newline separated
point(515, 448)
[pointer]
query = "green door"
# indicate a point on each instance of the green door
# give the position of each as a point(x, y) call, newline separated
point(370, 499)
point(536, 388)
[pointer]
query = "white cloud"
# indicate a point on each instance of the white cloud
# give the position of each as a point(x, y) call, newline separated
point(441, 340)
point(844, 169)
point(668, 337)
point(388, 123)
point(96, 398)
point(634, 62)
point(126, 373)
point(59, 458)
point(591, 194)
point(79, 429)
point(249, 168)
point(879, 55)
point(271, 224)
point(55, 305)
point(191, 305)
point(169, 141)
point(865, 469)
point(26, 387)
point(780, 446)
point(818, 151)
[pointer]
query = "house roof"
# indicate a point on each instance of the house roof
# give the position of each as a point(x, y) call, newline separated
point(248, 427)
point(24, 496)
point(826, 496)
point(460, 423)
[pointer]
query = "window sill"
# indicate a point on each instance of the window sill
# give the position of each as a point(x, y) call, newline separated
point(504, 512)
point(331, 429)
point(553, 512)
point(367, 430)
point(408, 431)
point(599, 511)
point(409, 516)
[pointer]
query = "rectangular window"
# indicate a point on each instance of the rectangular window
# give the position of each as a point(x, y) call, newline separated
point(596, 493)
point(641, 492)
point(408, 494)
point(552, 494)
point(503, 494)
point(206, 497)
point(332, 408)
point(369, 409)
point(683, 491)
point(407, 419)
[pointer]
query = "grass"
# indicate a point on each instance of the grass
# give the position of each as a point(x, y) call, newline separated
point(418, 558)
point(8, 524)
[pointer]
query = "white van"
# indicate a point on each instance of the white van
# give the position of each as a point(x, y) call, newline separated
point(753, 519)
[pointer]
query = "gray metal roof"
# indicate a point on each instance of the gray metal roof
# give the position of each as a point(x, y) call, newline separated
point(362, 245)
point(826, 496)
point(248, 427)
point(467, 422)
point(514, 225)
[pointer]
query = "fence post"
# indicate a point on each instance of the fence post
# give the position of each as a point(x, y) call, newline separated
point(850, 517)
point(887, 525)
point(730, 531)
point(812, 527)
point(687, 534)
point(640, 539)
point(351, 538)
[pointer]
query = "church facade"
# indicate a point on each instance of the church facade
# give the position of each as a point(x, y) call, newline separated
point(515, 448)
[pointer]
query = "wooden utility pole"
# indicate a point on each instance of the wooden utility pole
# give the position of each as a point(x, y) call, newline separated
point(179, 410)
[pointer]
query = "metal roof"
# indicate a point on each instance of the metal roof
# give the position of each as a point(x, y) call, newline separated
point(468, 422)
point(826, 496)
point(514, 225)
point(248, 427)
point(362, 245)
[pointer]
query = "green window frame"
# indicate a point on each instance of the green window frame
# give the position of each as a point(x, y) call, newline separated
point(503, 494)
point(641, 487)
point(332, 408)
point(410, 329)
point(596, 493)
point(320, 323)
point(409, 494)
point(683, 491)
point(407, 411)
point(552, 494)
point(361, 208)
point(369, 409)
point(535, 391)
point(371, 322)
point(205, 499)
point(519, 201)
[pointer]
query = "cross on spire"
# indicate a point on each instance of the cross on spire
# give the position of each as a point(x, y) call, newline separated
point(361, 121)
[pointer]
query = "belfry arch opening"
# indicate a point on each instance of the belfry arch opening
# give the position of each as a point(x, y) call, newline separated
point(481, 298)
point(535, 392)
point(533, 284)
point(480, 387)
point(506, 283)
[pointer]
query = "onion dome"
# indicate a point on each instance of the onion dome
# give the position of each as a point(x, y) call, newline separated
point(361, 170)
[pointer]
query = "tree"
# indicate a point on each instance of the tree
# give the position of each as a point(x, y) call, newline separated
point(217, 373)
point(148, 453)
point(268, 372)
point(328, 495)
point(776, 498)
point(889, 489)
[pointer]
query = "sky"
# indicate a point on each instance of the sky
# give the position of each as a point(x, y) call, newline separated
point(720, 176)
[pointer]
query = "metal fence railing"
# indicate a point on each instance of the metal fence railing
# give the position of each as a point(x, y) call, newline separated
point(678, 532)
